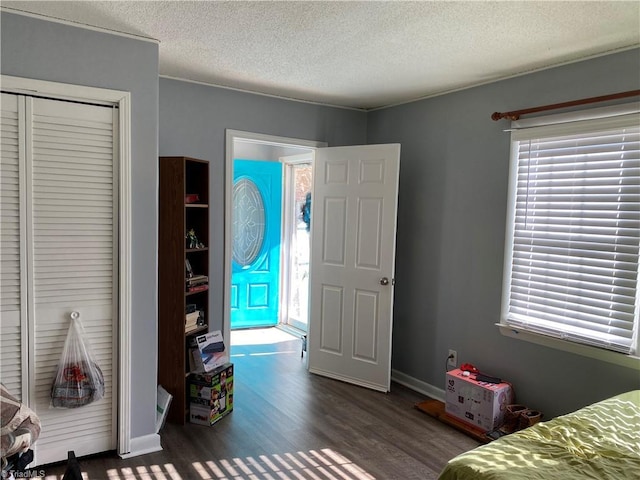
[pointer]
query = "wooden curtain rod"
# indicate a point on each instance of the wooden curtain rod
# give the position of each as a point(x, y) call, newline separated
point(515, 115)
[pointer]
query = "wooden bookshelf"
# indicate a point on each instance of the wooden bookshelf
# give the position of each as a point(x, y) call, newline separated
point(180, 176)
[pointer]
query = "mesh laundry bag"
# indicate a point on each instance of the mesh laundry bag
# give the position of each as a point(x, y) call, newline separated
point(79, 380)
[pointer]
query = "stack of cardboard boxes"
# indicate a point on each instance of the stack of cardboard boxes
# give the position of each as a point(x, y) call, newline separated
point(211, 381)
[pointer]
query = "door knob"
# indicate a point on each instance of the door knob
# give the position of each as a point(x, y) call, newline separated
point(384, 281)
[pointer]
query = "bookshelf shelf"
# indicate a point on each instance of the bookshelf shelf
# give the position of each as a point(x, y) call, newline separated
point(180, 176)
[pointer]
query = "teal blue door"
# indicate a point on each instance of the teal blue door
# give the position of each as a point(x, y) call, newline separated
point(257, 217)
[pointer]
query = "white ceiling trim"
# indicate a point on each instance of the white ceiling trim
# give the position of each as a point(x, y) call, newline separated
point(253, 92)
point(507, 77)
point(85, 26)
point(417, 99)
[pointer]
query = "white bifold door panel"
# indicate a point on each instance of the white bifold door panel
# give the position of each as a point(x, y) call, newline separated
point(353, 229)
point(12, 259)
point(68, 251)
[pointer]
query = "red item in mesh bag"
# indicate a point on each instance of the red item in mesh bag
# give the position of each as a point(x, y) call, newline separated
point(79, 380)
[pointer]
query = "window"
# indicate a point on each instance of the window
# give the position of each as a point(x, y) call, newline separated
point(573, 230)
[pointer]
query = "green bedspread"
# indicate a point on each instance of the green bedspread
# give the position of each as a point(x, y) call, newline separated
point(600, 441)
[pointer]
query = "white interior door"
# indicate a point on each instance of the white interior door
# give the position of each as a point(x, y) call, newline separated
point(59, 254)
point(353, 232)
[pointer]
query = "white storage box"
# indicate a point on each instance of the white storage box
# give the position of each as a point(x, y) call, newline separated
point(479, 404)
point(211, 353)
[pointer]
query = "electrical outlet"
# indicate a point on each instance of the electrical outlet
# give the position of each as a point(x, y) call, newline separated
point(452, 359)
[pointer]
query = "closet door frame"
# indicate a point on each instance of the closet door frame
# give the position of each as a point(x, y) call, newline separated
point(121, 99)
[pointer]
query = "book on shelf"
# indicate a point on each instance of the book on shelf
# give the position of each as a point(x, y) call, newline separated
point(191, 328)
point(197, 279)
point(197, 288)
point(192, 318)
point(192, 324)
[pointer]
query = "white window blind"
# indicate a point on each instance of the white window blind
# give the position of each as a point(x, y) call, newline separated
point(573, 241)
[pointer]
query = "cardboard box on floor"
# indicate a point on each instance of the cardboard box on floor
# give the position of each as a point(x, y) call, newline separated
point(211, 395)
point(479, 404)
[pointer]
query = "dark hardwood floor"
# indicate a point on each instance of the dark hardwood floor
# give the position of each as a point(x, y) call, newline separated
point(289, 424)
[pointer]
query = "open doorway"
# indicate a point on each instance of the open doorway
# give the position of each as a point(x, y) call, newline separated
point(352, 252)
point(266, 238)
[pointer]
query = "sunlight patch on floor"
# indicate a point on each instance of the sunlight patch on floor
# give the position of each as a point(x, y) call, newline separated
point(260, 336)
point(324, 464)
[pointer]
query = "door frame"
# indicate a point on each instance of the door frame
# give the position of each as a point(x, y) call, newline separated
point(288, 163)
point(122, 204)
point(231, 136)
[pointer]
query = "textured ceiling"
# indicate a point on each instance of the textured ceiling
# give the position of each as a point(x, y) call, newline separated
point(358, 54)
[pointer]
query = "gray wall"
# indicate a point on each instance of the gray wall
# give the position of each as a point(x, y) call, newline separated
point(193, 120)
point(38, 49)
point(451, 227)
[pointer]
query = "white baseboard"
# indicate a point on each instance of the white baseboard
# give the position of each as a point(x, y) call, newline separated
point(417, 385)
point(143, 445)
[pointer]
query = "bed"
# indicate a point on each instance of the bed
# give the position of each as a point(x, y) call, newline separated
point(600, 441)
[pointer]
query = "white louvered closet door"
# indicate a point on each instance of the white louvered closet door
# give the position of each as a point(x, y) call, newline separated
point(12, 236)
point(70, 242)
